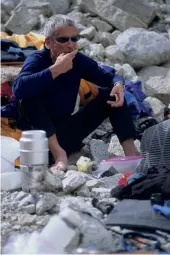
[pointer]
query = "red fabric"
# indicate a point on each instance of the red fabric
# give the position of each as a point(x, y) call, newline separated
point(123, 180)
point(6, 89)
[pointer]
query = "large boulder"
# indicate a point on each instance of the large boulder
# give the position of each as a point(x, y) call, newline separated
point(26, 16)
point(143, 48)
point(101, 25)
point(8, 5)
point(104, 38)
point(114, 54)
point(60, 6)
point(137, 8)
point(110, 13)
point(156, 80)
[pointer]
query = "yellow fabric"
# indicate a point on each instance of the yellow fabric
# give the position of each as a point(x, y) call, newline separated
point(6, 130)
point(86, 88)
point(25, 40)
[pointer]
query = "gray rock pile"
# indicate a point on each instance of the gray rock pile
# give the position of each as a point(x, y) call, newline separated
point(133, 37)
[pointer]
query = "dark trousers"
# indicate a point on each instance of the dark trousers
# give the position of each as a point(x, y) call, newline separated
point(71, 130)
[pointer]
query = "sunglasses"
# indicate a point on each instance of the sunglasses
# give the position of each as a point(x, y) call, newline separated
point(65, 39)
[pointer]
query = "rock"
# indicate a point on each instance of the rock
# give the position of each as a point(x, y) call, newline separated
point(167, 64)
point(138, 9)
point(42, 220)
point(107, 125)
point(29, 12)
point(143, 48)
point(27, 219)
point(111, 181)
point(28, 208)
point(101, 25)
point(152, 71)
point(169, 33)
point(114, 54)
point(157, 107)
point(8, 5)
point(83, 43)
point(9, 73)
point(83, 191)
point(16, 25)
point(46, 203)
point(115, 34)
point(100, 133)
point(97, 51)
point(4, 17)
point(21, 195)
point(115, 16)
point(104, 38)
point(26, 201)
point(78, 17)
point(88, 33)
point(129, 73)
point(99, 150)
point(80, 205)
point(115, 147)
point(101, 192)
point(110, 13)
point(94, 184)
point(156, 82)
point(60, 6)
point(72, 168)
point(59, 174)
point(94, 233)
point(72, 182)
point(52, 182)
point(167, 2)
point(16, 227)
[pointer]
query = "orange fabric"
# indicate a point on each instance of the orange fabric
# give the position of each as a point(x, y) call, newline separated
point(87, 88)
point(6, 130)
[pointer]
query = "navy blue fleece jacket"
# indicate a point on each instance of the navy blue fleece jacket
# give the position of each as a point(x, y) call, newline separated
point(59, 94)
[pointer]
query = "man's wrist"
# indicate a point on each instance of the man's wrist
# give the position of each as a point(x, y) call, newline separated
point(54, 72)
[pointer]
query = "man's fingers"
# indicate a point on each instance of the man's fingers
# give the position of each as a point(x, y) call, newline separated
point(72, 54)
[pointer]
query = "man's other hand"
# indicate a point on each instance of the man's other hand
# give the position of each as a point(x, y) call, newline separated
point(117, 92)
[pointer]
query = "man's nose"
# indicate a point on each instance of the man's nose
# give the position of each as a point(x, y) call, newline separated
point(71, 43)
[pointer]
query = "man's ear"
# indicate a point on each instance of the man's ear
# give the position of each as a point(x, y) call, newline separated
point(47, 43)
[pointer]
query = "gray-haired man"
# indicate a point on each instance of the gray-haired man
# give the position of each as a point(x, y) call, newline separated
point(48, 85)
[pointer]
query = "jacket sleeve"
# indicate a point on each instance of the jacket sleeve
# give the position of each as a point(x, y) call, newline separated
point(92, 72)
point(31, 79)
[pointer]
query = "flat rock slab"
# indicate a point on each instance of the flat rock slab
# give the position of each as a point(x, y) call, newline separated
point(137, 8)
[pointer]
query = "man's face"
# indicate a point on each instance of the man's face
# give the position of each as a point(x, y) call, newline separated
point(64, 40)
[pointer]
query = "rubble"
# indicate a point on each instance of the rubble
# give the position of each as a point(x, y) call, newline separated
point(136, 42)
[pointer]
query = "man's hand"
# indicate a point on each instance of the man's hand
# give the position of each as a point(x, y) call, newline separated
point(118, 92)
point(63, 64)
point(61, 162)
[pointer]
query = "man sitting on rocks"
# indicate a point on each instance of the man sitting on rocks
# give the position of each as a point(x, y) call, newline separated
point(47, 91)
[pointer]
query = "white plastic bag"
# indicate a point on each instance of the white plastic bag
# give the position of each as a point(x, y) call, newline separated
point(53, 239)
point(11, 181)
point(9, 152)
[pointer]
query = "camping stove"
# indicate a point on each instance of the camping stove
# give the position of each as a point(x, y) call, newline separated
point(33, 159)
